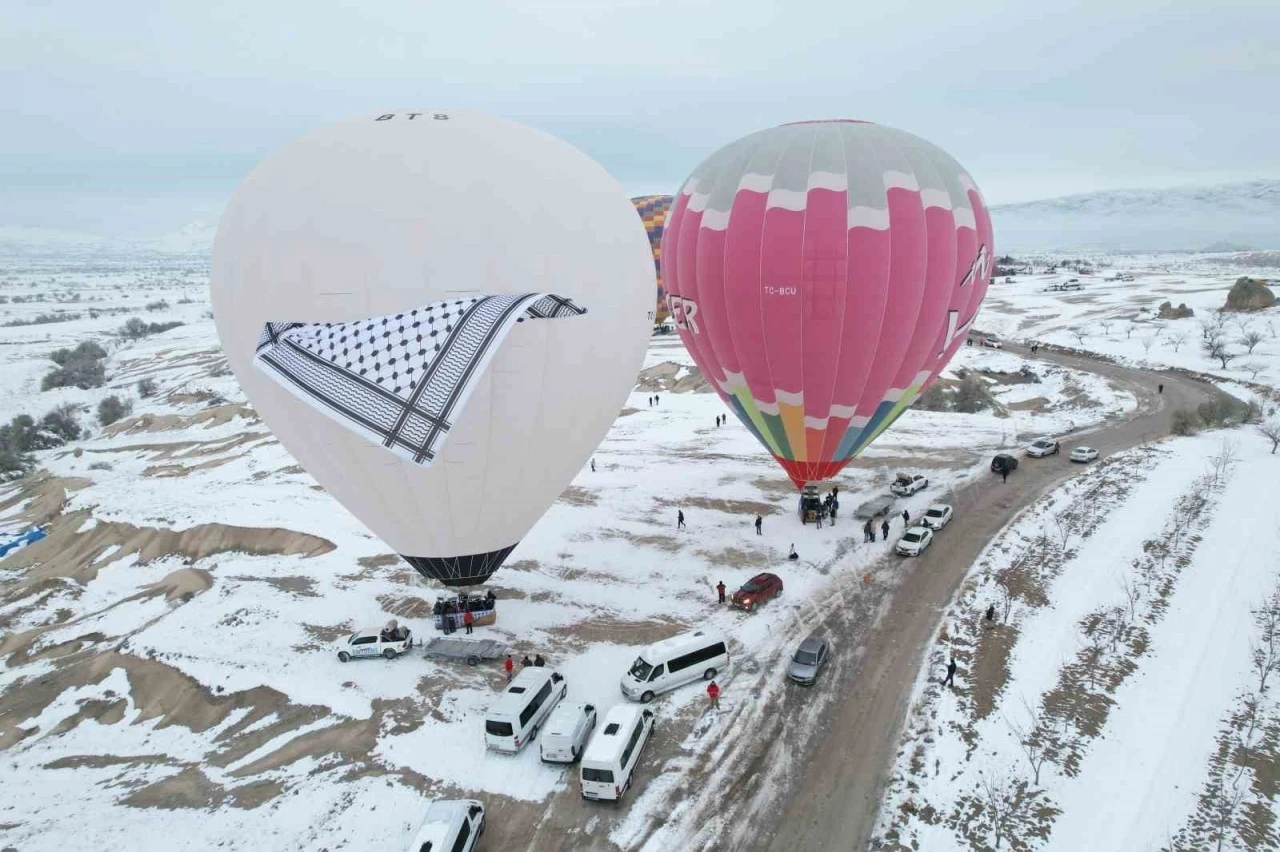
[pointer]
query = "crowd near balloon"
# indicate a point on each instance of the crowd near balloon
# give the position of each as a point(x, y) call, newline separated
point(440, 313)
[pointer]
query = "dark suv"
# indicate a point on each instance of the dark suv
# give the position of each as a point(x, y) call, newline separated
point(1004, 464)
point(757, 590)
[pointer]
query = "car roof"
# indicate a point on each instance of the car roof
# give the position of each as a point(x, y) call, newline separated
point(366, 631)
point(1083, 449)
point(763, 577)
point(605, 748)
point(564, 718)
point(698, 638)
point(941, 507)
point(528, 681)
point(1043, 441)
point(812, 642)
point(442, 818)
point(922, 530)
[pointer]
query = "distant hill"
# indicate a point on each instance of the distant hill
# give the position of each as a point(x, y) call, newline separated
point(1186, 218)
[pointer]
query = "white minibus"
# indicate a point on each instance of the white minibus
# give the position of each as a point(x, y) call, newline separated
point(674, 662)
point(611, 757)
point(512, 722)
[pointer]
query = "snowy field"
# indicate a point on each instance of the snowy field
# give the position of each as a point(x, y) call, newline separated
point(169, 648)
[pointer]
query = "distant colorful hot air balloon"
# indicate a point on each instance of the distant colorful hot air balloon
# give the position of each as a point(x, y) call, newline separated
point(653, 210)
point(822, 274)
point(439, 314)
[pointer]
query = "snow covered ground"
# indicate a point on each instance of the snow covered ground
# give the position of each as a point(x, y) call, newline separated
point(169, 663)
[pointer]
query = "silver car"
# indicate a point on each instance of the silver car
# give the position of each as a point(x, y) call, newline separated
point(808, 660)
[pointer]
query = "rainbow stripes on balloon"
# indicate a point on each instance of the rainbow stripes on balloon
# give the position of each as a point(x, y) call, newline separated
point(822, 274)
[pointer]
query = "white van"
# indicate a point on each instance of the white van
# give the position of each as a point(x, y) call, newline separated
point(611, 758)
point(566, 732)
point(450, 827)
point(512, 722)
point(674, 662)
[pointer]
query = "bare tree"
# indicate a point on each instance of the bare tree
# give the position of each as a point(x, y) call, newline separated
point(1147, 343)
point(1253, 368)
point(1266, 648)
point(1065, 524)
point(1270, 429)
point(1128, 330)
point(1079, 334)
point(1177, 340)
point(1271, 328)
point(1105, 325)
point(1250, 339)
point(1031, 738)
point(1217, 347)
point(1132, 594)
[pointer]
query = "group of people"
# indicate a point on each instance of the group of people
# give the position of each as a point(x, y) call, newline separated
point(721, 419)
point(822, 509)
point(509, 666)
point(869, 528)
point(653, 400)
point(463, 610)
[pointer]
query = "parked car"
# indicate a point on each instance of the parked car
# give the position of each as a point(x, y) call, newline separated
point(1004, 463)
point(874, 508)
point(673, 662)
point(1042, 447)
point(936, 516)
point(993, 341)
point(808, 660)
point(907, 484)
point(757, 590)
point(375, 642)
point(1083, 454)
point(914, 541)
point(450, 826)
point(565, 734)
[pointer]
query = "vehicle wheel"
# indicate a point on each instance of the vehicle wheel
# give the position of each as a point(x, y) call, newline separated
point(473, 661)
point(389, 654)
point(343, 656)
point(646, 698)
point(709, 674)
point(926, 484)
point(533, 735)
point(564, 693)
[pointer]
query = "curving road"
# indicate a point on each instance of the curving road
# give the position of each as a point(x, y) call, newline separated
point(830, 801)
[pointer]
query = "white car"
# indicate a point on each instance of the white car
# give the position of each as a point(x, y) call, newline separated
point(992, 341)
point(453, 826)
point(936, 516)
point(1042, 447)
point(1083, 454)
point(914, 541)
point(375, 642)
point(906, 485)
point(565, 734)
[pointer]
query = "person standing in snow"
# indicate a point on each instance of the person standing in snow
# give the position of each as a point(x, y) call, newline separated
point(656, 399)
point(793, 554)
point(713, 692)
point(509, 665)
point(526, 662)
point(679, 519)
point(720, 590)
point(1160, 388)
point(593, 465)
point(991, 613)
point(951, 674)
point(468, 620)
point(884, 529)
point(759, 524)
point(1004, 474)
point(538, 662)
point(906, 518)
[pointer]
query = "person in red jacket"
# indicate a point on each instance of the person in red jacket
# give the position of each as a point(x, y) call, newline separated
point(713, 692)
point(510, 666)
point(467, 620)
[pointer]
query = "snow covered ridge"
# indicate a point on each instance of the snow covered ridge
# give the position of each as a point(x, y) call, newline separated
point(1116, 666)
point(1173, 219)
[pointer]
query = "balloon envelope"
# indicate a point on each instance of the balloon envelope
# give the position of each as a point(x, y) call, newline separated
point(386, 213)
point(822, 274)
point(653, 210)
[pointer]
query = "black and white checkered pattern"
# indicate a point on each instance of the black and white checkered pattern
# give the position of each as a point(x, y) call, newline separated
point(400, 380)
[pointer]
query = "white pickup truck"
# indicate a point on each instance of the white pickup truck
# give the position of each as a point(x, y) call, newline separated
point(907, 484)
point(375, 642)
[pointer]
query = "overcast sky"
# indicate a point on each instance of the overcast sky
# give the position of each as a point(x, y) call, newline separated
point(142, 115)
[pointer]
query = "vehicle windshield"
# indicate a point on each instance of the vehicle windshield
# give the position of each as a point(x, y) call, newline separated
point(933, 513)
point(497, 729)
point(749, 587)
point(1043, 443)
point(604, 776)
point(640, 669)
point(912, 537)
point(805, 658)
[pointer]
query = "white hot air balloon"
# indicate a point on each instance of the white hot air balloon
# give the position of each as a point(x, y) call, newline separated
point(439, 314)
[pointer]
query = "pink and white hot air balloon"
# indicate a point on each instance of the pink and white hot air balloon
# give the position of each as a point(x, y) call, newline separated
point(822, 274)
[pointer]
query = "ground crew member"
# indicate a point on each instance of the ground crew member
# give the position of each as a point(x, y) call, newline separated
point(713, 692)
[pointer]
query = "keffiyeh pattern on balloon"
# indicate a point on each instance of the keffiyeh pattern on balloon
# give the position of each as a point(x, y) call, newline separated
point(402, 380)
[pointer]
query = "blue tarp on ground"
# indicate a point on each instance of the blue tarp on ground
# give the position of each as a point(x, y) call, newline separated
point(31, 535)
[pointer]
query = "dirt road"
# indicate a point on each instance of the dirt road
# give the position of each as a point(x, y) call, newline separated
point(831, 802)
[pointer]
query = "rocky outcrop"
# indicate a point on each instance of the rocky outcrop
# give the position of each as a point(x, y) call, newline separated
point(1249, 294)
point(1168, 311)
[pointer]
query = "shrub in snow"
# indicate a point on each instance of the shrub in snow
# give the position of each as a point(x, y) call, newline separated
point(1185, 422)
point(100, 465)
point(972, 395)
point(934, 399)
point(88, 350)
point(146, 388)
point(62, 423)
point(158, 305)
point(81, 367)
point(136, 329)
point(13, 465)
point(112, 409)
